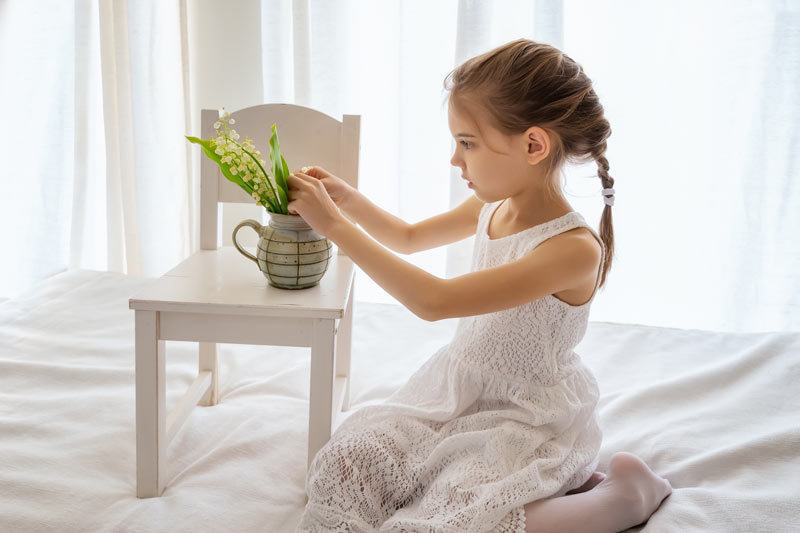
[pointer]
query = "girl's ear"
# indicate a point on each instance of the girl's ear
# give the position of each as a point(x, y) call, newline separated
point(537, 143)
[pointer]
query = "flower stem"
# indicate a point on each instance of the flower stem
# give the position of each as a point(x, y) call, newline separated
point(267, 179)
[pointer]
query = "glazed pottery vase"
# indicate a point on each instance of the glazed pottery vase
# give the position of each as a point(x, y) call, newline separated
point(290, 254)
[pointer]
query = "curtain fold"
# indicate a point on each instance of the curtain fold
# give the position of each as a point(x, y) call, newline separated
point(278, 30)
point(97, 167)
point(124, 252)
point(701, 98)
point(37, 164)
point(192, 181)
point(83, 60)
point(301, 40)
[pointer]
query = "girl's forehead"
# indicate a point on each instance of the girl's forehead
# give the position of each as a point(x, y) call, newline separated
point(461, 121)
point(466, 118)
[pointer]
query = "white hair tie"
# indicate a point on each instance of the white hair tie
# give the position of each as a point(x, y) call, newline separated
point(609, 200)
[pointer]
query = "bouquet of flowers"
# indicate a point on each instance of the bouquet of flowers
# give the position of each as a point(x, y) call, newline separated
point(241, 163)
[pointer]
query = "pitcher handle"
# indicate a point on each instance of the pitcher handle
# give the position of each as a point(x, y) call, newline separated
point(256, 226)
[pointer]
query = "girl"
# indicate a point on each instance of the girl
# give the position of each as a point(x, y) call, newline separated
point(497, 431)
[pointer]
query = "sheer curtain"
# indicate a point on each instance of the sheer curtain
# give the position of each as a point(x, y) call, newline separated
point(94, 160)
point(703, 101)
point(701, 98)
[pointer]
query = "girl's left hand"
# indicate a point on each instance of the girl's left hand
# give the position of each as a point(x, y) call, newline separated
point(309, 199)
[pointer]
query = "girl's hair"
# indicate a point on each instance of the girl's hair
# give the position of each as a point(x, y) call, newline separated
point(523, 84)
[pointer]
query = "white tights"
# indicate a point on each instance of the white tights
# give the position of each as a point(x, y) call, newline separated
point(625, 498)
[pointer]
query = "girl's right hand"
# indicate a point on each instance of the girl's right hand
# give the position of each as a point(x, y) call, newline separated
point(339, 190)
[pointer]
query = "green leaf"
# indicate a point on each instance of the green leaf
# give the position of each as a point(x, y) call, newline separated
point(279, 169)
point(285, 168)
point(208, 149)
point(276, 207)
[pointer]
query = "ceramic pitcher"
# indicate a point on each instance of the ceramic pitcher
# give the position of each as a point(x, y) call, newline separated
point(291, 255)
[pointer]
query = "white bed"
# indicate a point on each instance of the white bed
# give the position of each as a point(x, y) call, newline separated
point(715, 413)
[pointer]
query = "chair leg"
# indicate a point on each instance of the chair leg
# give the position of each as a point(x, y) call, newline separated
point(151, 413)
point(208, 359)
point(343, 346)
point(320, 408)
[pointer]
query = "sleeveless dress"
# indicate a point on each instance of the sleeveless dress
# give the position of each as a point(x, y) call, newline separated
point(502, 415)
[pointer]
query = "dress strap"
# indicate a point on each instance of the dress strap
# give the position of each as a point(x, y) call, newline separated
point(559, 225)
point(573, 220)
point(486, 212)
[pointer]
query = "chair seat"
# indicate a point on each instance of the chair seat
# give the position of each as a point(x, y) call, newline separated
point(223, 281)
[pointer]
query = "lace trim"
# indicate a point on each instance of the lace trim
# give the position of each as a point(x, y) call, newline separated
point(487, 215)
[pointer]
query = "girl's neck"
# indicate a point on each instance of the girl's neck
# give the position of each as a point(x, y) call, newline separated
point(518, 211)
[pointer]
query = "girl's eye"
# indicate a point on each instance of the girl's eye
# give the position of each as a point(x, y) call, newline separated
point(466, 144)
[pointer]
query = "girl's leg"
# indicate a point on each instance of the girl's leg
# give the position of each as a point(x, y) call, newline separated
point(626, 497)
point(596, 478)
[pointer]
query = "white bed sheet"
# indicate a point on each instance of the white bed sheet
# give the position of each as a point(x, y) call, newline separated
point(715, 413)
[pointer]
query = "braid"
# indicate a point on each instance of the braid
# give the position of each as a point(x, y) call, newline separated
point(606, 221)
point(602, 171)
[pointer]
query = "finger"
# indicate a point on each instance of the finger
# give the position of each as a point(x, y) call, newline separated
point(295, 181)
point(303, 174)
point(311, 180)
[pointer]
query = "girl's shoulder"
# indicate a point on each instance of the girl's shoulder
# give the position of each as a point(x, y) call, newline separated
point(583, 233)
point(583, 291)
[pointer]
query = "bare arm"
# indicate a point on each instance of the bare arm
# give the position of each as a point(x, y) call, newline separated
point(383, 226)
point(410, 285)
point(445, 228)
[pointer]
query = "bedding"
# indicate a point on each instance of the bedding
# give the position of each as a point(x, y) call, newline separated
point(716, 413)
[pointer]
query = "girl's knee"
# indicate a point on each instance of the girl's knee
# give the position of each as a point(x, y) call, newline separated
point(334, 461)
point(368, 458)
point(346, 455)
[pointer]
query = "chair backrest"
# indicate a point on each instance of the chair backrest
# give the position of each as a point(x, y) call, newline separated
point(308, 138)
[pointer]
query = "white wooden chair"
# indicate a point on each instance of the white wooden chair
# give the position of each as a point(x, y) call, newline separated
point(218, 295)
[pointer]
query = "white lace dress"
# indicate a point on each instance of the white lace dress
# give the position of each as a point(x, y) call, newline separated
point(501, 416)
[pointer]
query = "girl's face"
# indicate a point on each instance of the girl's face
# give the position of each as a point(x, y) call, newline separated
point(494, 163)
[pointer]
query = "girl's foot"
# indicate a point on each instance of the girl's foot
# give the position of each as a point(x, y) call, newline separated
point(639, 489)
point(595, 478)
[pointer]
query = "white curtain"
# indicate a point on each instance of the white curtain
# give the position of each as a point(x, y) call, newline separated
point(701, 97)
point(704, 103)
point(94, 160)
